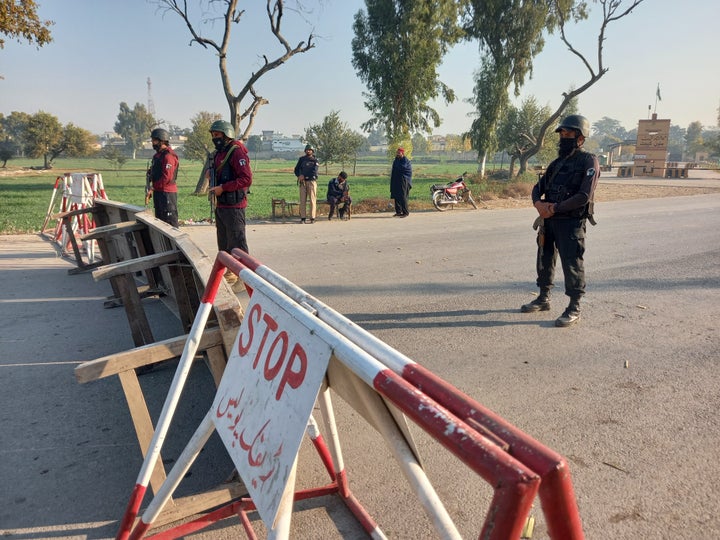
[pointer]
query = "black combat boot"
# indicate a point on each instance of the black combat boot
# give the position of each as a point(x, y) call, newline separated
point(541, 303)
point(571, 314)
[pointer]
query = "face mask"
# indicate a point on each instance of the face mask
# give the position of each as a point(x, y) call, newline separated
point(566, 146)
point(156, 147)
point(219, 143)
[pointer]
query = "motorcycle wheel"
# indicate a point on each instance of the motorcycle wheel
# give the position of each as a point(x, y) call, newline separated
point(437, 196)
point(471, 201)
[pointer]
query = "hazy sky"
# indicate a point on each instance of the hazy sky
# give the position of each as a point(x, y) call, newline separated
point(105, 50)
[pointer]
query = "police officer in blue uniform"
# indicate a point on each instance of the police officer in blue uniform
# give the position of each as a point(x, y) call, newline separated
point(563, 197)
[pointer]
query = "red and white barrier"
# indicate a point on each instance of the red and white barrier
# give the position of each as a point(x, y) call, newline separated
point(450, 417)
point(79, 190)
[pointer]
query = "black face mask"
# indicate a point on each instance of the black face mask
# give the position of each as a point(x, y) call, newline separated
point(219, 143)
point(156, 147)
point(566, 147)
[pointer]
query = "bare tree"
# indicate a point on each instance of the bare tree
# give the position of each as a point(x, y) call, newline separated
point(612, 11)
point(232, 15)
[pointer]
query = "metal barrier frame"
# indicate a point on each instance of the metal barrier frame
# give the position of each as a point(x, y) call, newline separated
point(475, 435)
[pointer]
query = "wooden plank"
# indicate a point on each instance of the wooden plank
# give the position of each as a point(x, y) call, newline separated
point(136, 265)
point(136, 316)
point(199, 503)
point(160, 351)
point(216, 360)
point(111, 230)
point(143, 424)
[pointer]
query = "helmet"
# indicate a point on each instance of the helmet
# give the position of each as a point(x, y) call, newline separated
point(575, 121)
point(160, 134)
point(224, 127)
point(309, 147)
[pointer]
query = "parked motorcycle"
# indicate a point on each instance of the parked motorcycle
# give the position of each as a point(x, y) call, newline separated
point(446, 196)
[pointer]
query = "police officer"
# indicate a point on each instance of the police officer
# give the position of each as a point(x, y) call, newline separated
point(306, 171)
point(162, 178)
point(232, 179)
point(563, 197)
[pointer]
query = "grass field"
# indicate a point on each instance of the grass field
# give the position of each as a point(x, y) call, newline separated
point(25, 194)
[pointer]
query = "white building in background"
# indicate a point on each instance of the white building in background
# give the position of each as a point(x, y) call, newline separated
point(288, 144)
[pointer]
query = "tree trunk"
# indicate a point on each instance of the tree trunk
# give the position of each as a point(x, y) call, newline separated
point(481, 163)
point(203, 183)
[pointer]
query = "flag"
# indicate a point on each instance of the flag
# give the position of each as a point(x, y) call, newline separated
point(657, 93)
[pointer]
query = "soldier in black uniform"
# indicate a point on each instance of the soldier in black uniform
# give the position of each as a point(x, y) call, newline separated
point(563, 197)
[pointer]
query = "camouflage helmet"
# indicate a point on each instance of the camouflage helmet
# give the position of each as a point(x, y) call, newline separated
point(309, 147)
point(577, 122)
point(160, 134)
point(224, 127)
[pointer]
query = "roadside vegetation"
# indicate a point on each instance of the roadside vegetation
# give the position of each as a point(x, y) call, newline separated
point(26, 193)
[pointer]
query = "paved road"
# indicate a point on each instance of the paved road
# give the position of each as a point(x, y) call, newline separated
point(630, 395)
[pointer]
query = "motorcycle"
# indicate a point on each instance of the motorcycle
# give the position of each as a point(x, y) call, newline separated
point(445, 196)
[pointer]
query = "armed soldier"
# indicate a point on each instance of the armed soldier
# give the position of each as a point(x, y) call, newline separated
point(232, 180)
point(161, 180)
point(563, 197)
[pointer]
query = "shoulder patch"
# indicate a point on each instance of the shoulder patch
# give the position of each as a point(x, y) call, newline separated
point(591, 171)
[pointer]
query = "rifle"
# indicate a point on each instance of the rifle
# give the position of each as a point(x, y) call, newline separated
point(211, 184)
point(148, 185)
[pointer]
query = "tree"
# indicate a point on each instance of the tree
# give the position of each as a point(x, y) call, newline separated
point(694, 141)
point(275, 10)
point(397, 48)
point(14, 127)
point(74, 142)
point(510, 36)
point(254, 143)
point(420, 143)
point(517, 128)
point(20, 21)
point(116, 158)
point(612, 11)
point(43, 132)
point(134, 126)
point(45, 136)
point(328, 139)
point(198, 146)
point(676, 143)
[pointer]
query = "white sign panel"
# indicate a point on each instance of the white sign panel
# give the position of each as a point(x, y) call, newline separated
point(266, 396)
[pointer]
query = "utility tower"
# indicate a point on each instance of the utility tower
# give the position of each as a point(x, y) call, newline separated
point(150, 102)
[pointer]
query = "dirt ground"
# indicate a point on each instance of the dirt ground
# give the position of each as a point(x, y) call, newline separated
point(613, 192)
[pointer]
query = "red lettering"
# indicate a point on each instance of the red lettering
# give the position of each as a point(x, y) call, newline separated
point(271, 371)
point(271, 324)
point(293, 377)
point(254, 312)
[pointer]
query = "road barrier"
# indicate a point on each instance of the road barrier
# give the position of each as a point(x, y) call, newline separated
point(290, 350)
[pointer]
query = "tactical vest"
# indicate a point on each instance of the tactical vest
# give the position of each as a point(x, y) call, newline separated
point(225, 174)
point(564, 180)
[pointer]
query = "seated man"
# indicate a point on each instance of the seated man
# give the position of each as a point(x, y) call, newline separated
point(338, 195)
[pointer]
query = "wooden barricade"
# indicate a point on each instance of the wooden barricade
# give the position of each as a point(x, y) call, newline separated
point(142, 256)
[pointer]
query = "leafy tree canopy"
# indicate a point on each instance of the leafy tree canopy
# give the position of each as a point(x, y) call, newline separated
point(19, 20)
point(134, 125)
point(397, 48)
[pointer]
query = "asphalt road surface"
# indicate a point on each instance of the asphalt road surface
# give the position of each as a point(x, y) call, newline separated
point(629, 395)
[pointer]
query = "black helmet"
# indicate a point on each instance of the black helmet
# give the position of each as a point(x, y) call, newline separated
point(309, 147)
point(577, 122)
point(160, 134)
point(224, 127)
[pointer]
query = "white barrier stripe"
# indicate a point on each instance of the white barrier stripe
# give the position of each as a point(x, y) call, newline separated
point(173, 397)
point(392, 358)
point(181, 467)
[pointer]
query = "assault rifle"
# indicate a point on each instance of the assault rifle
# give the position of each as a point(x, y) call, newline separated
point(148, 185)
point(210, 171)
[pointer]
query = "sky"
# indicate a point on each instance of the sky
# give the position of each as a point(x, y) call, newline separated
point(104, 51)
